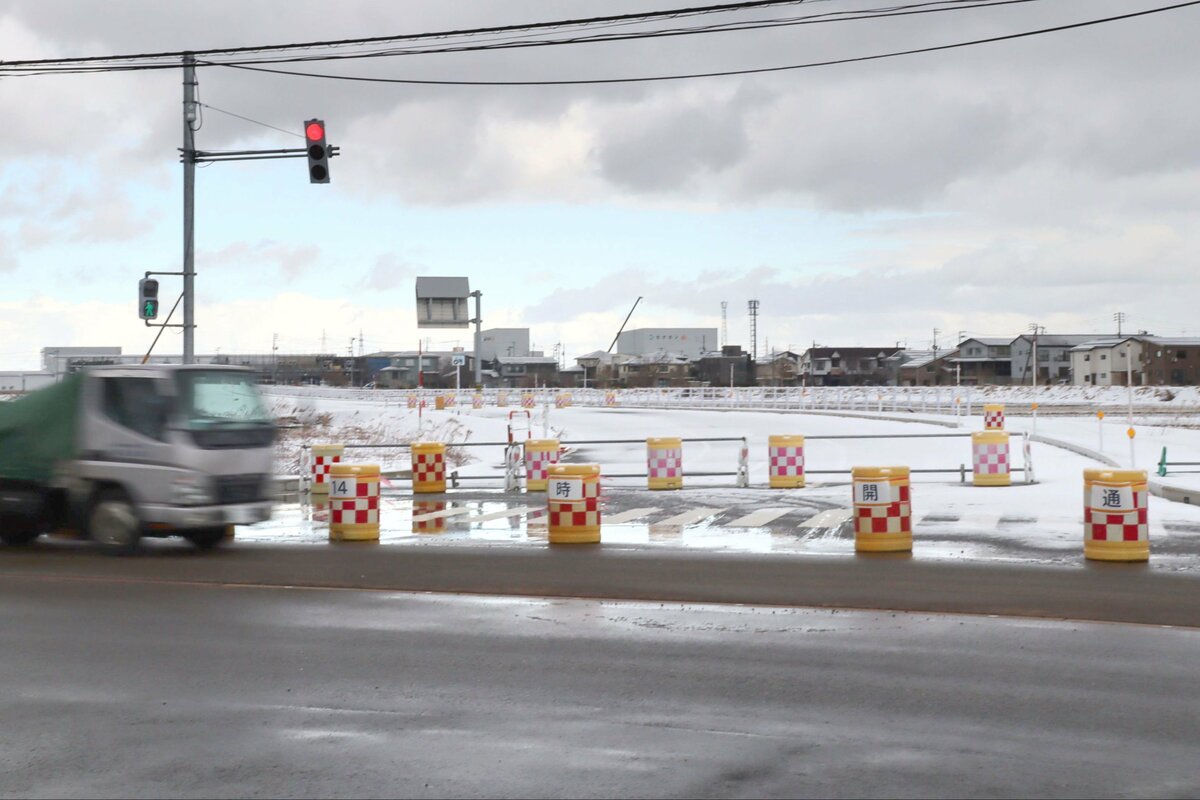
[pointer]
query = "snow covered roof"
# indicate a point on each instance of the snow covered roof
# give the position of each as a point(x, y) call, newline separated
point(527, 360)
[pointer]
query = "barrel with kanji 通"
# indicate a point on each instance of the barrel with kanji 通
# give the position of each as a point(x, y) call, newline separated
point(324, 456)
point(354, 503)
point(573, 503)
point(882, 509)
point(993, 416)
point(428, 467)
point(786, 457)
point(540, 455)
point(664, 463)
point(1116, 515)
point(990, 462)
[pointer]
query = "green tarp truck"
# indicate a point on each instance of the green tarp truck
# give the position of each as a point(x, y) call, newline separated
point(122, 452)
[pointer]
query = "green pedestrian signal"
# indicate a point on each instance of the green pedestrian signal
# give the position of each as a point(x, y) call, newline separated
point(148, 298)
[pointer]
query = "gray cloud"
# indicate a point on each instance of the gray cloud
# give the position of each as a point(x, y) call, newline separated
point(388, 273)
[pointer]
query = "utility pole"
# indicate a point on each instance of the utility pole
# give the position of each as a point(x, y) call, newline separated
point(275, 358)
point(189, 208)
point(1119, 317)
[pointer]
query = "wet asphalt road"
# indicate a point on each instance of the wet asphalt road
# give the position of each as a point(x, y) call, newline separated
point(127, 677)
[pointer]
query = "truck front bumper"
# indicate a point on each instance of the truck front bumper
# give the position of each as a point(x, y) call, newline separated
point(184, 517)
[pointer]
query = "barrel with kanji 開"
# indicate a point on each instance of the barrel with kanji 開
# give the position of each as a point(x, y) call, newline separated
point(990, 464)
point(354, 503)
point(786, 455)
point(540, 455)
point(993, 416)
point(324, 456)
point(573, 502)
point(1116, 522)
point(882, 509)
point(664, 463)
point(428, 467)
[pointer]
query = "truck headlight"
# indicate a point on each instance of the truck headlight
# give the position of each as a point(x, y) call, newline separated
point(193, 490)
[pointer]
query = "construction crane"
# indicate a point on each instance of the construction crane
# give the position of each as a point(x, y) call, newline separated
point(623, 324)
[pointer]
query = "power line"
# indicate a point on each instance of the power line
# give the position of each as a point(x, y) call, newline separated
point(247, 119)
point(722, 73)
point(60, 66)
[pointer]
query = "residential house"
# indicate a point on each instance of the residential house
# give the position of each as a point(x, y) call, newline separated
point(846, 366)
point(731, 365)
point(780, 368)
point(983, 362)
point(1171, 362)
point(1109, 361)
point(925, 368)
point(526, 372)
point(1053, 357)
point(659, 369)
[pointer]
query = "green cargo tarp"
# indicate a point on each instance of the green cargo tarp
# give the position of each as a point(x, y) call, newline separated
point(38, 430)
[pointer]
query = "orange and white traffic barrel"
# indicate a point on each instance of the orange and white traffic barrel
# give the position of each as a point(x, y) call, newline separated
point(451, 399)
point(993, 416)
point(477, 400)
point(502, 399)
point(428, 467)
point(562, 400)
point(324, 456)
point(610, 399)
point(412, 400)
point(786, 456)
point(527, 400)
point(540, 455)
point(439, 402)
point(573, 502)
point(990, 464)
point(354, 503)
point(664, 463)
point(427, 516)
point(882, 509)
point(1116, 521)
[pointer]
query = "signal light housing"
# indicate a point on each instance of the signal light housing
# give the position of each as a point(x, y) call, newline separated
point(148, 298)
point(318, 151)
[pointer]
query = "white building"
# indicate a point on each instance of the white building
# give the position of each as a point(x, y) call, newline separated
point(689, 342)
point(1107, 362)
point(17, 382)
point(510, 342)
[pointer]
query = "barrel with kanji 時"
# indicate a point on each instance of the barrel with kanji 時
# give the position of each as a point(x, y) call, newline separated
point(882, 509)
point(573, 503)
point(1116, 515)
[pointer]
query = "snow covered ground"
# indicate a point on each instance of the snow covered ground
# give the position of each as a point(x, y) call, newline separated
point(1041, 522)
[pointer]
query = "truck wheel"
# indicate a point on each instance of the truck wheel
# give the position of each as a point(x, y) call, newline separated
point(17, 530)
point(206, 538)
point(113, 523)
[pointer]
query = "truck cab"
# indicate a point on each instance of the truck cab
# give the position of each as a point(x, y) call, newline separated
point(159, 450)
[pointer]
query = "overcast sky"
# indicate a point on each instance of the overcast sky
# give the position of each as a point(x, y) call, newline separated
point(1050, 179)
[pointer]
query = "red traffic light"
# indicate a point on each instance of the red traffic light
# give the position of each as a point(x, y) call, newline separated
point(315, 131)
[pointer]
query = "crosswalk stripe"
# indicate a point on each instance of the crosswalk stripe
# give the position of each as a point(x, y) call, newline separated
point(511, 512)
point(449, 512)
point(830, 518)
point(759, 518)
point(986, 522)
point(690, 517)
point(630, 515)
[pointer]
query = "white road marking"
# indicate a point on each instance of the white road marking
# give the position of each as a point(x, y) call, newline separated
point(511, 512)
point(759, 518)
point(449, 512)
point(689, 517)
point(630, 515)
point(830, 518)
point(985, 522)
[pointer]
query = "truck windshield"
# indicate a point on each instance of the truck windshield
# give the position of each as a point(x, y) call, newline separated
point(220, 398)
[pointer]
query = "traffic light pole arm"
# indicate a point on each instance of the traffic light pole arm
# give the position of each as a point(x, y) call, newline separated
point(171, 313)
point(207, 156)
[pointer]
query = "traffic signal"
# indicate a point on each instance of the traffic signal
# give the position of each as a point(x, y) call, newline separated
point(318, 151)
point(148, 298)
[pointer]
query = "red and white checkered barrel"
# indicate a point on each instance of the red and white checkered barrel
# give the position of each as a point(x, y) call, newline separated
point(786, 456)
point(562, 400)
point(527, 400)
point(428, 467)
point(477, 400)
point(324, 456)
point(664, 463)
point(610, 399)
point(502, 399)
point(990, 463)
point(573, 502)
point(427, 516)
point(412, 400)
point(451, 399)
point(354, 503)
point(882, 509)
point(993, 416)
point(540, 455)
point(1116, 515)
